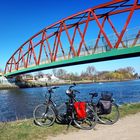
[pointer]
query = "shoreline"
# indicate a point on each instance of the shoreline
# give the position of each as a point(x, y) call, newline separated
point(38, 84)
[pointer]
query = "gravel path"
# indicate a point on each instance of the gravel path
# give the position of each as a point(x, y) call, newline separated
point(127, 128)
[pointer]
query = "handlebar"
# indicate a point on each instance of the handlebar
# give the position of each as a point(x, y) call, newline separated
point(70, 92)
point(50, 90)
point(72, 86)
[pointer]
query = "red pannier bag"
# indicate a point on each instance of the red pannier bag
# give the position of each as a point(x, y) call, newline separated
point(80, 108)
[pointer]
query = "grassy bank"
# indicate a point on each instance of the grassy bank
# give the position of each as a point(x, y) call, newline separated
point(26, 130)
point(128, 109)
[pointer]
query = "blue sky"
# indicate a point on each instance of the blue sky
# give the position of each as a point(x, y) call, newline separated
point(21, 19)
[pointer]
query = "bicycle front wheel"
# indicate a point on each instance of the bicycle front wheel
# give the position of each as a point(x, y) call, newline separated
point(44, 115)
point(110, 118)
point(89, 122)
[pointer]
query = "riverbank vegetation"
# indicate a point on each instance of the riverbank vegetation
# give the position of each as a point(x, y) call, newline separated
point(27, 130)
point(89, 75)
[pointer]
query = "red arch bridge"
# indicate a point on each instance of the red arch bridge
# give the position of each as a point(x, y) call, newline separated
point(89, 36)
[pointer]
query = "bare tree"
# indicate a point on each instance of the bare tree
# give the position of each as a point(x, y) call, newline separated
point(90, 70)
point(130, 70)
point(54, 71)
point(40, 74)
point(61, 73)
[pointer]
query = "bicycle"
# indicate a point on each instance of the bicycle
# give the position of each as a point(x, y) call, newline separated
point(47, 113)
point(79, 112)
point(106, 108)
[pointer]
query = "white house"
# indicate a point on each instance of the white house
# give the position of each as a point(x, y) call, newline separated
point(44, 78)
point(56, 79)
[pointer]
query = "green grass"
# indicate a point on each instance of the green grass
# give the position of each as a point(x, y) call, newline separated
point(27, 130)
point(128, 109)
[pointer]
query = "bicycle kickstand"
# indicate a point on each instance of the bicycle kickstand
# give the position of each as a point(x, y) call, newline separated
point(69, 124)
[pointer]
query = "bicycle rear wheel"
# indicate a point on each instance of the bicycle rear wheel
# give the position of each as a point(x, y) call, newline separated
point(44, 115)
point(110, 118)
point(89, 122)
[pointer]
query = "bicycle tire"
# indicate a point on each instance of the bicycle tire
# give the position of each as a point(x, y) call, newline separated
point(110, 118)
point(89, 122)
point(44, 115)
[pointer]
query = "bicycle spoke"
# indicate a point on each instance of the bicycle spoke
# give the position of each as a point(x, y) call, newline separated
point(44, 115)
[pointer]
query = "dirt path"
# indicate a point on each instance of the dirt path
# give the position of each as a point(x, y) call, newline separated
point(127, 128)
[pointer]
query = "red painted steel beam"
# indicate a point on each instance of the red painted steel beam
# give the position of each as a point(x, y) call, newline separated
point(83, 35)
point(98, 38)
point(73, 37)
point(126, 24)
point(136, 39)
point(70, 41)
point(101, 29)
point(115, 31)
point(58, 41)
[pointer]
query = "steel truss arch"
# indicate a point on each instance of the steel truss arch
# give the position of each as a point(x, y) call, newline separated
point(46, 45)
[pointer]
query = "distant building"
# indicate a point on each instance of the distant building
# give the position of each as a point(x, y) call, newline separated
point(44, 78)
point(28, 77)
point(54, 78)
point(49, 78)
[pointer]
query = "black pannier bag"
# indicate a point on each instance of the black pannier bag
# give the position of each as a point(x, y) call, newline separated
point(104, 104)
point(106, 96)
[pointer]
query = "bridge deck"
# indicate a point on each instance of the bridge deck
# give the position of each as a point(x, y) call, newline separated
point(104, 56)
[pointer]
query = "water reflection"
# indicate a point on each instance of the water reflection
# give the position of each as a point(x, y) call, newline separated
point(19, 103)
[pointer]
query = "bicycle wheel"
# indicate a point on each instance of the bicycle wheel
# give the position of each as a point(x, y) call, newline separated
point(61, 113)
point(44, 115)
point(89, 122)
point(110, 118)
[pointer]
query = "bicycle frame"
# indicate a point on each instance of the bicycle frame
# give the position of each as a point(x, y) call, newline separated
point(52, 103)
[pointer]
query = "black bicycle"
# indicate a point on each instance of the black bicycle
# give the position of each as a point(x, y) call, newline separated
point(47, 113)
point(79, 112)
point(106, 108)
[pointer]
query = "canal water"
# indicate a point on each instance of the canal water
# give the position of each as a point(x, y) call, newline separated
point(19, 103)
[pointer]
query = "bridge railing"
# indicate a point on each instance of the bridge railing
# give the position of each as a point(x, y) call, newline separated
point(128, 40)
